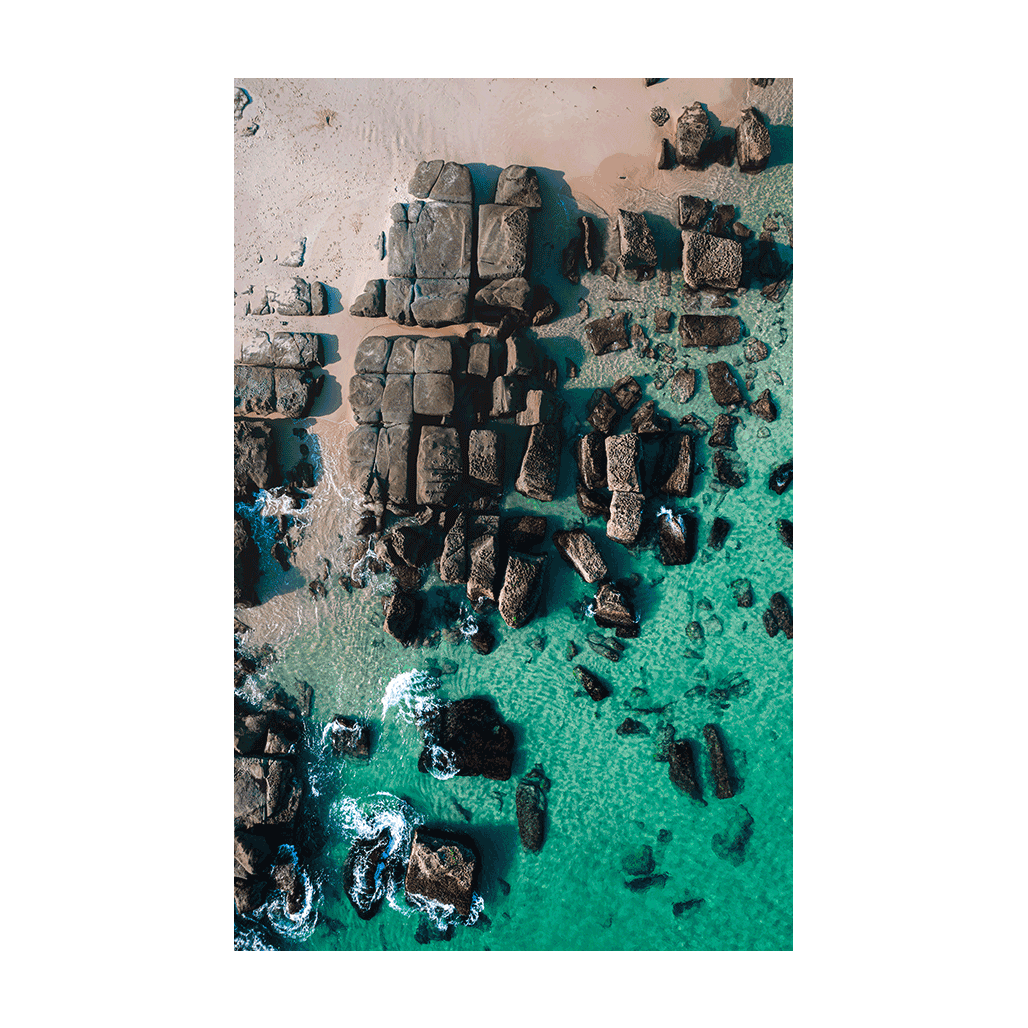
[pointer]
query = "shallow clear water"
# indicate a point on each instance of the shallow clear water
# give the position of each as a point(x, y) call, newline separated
point(609, 795)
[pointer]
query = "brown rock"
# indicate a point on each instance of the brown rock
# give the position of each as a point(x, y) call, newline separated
point(723, 386)
point(595, 687)
point(578, 549)
point(606, 335)
point(683, 385)
point(718, 764)
point(440, 872)
point(764, 407)
point(709, 330)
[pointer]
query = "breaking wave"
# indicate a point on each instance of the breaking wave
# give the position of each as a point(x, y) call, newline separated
point(409, 692)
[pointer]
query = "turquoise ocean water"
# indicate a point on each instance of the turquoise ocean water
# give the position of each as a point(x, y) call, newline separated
point(728, 863)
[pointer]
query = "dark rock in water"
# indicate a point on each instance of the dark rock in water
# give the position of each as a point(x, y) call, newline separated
point(683, 385)
point(723, 386)
point(591, 456)
point(676, 537)
point(674, 470)
point(247, 565)
point(440, 466)
point(709, 330)
point(602, 411)
point(441, 870)
point(590, 242)
point(755, 351)
point(519, 187)
point(623, 462)
point(682, 769)
point(662, 320)
point(693, 211)
point(350, 736)
point(249, 894)
point(267, 791)
point(401, 614)
point(732, 845)
point(625, 520)
point(718, 764)
point(540, 467)
point(693, 134)
point(631, 727)
point(483, 640)
point(428, 931)
point(742, 231)
point(646, 420)
point(570, 259)
point(709, 261)
point(604, 647)
point(666, 157)
point(724, 470)
point(467, 736)
point(782, 613)
point(723, 215)
point(523, 532)
point(611, 609)
point(530, 801)
point(639, 861)
point(644, 884)
point(785, 531)
point(627, 392)
point(718, 533)
point(521, 590)
point(680, 908)
point(770, 623)
point(781, 478)
point(659, 116)
point(722, 433)
point(752, 141)
point(371, 302)
point(638, 249)
point(591, 502)
point(606, 335)
point(252, 855)
point(541, 406)
point(544, 307)
point(595, 687)
point(366, 873)
point(743, 592)
point(763, 406)
point(720, 300)
point(578, 549)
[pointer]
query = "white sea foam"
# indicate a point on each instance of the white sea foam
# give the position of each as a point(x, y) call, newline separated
point(409, 692)
point(443, 764)
point(468, 625)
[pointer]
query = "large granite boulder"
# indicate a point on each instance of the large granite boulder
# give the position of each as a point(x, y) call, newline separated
point(255, 466)
point(627, 392)
point(400, 245)
point(522, 357)
point(693, 134)
point(393, 464)
point(399, 295)
point(541, 405)
point(711, 262)
point(440, 466)
point(433, 395)
point(638, 249)
point(372, 356)
point(467, 736)
point(503, 241)
point(361, 455)
point(709, 330)
point(255, 390)
point(401, 356)
point(518, 186)
point(485, 458)
point(280, 349)
point(397, 406)
point(524, 532)
point(371, 302)
point(578, 549)
point(530, 804)
point(594, 686)
point(646, 421)
point(764, 407)
point(591, 456)
point(288, 297)
point(606, 335)
point(521, 590)
point(424, 178)
point(267, 792)
point(252, 855)
point(693, 211)
point(752, 141)
point(440, 301)
point(443, 181)
point(625, 517)
point(623, 462)
point(480, 359)
point(540, 467)
point(723, 386)
point(294, 392)
point(366, 398)
point(441, 872)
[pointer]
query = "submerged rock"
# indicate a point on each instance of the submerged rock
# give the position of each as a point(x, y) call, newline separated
point(731, 845)
point(785, 531)
point(631, 727)
point(725, 471)
point(521, 590)
point(639, 861)
point(743, 592)
point(401, 613)
point(530, 801)
point(782, 613)
point(440, 871)
point(595, 687)
point(763, 406)
point(366, 874)
point(718, 764)
point(718, 533)
point(755, 351)
point(683, 385)
point(722, 432)
point(723, 386)
point(579, 550)
point(467, 737)
point(781, 478)
point(606, 335)
point(676, 537)
point(682, 769)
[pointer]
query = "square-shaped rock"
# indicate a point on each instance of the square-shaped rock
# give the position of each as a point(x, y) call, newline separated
point(433, 355)
point(503, 240)
point(372, 356)
point(442, 241)
point(255, 390)
point(398, 400)
point(433, 395)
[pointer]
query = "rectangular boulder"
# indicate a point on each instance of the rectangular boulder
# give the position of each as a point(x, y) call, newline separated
point(540, 467)
point(442, 241)
point(255, 390)
point(366, 398)
point(673, 472)
point(623, 462)
point(440, 301)
point(398, 400)
point(392, 464)
point(293, 392)
point(711, 330)
point(433, 355)
point(579, 550)
point(399, 294)
point(625, 517)
point(400, 250)
point(255, 466)
point(372, 356)
point(401, 357)
point(521, 589)
point(503, 241)
point(433, 395)
point(361, 454)
point(280, 349)
point(485, 458)
point(440, 467)
point(710, 261)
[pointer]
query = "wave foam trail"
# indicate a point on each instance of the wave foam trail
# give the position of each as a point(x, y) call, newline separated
point(468, 625)
point(443, 765)
point(409, 691)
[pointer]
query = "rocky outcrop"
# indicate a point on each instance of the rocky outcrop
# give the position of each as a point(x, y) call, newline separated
point(350, 737)
point(646, 421)
point(723, 386)
point(623, 462)
point(366, 872)
point(578, 549)
point(292, 297)
point(530, 802)
point(591, 457)
point(693, 211)
point(441, 871)
point(371, 302)
point(603, 413)
point(674, 467)
point(676, 538)
point(366, 398)
point(591, 502)
point(280, 349)
point(503, 241)
point(683, 385)
point(682, 769)
point(611, 609)
point(400, 617)
point(718, 764)
point(709, 330)
point(625, 517)
point(727, 471)
point(254, 390)
point(361, 454)
point(524, 532)
point(254, 461)
point(521, 590)
point(467, 736)
point(780, 478)
point(637, 247)
point(693, 134)
point(510, 294)
point(764, 407)
point(607, 335)
point(708, 261)
point(518, 186)
point(540, 467)
point(752, 141)
point(627, 392)
point(267, 792)
point(440, 466)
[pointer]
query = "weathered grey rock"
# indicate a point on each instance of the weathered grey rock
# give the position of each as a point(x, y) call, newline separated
point(718, 764)
point(673, 474)
point(482, 569)
point(710, 330)
point(638, 250)
point(519, 187)
point(290, 297)
point(625, 517)
point(393, 464)
point(693, 134)
point(361, 450)
point(723, 386)
point(752, 141)
point(433, 355)
point(659, 116)
point(541, 406)
point(485, 457)
point(683, 385)
point(603, 412)
point(400, 249)
point(453, 184)
point(522, 587)
point(540, 467)
point(398, 400)
point(280, 349)
point(255, 390)
point(623, 462)
point(508, 396)
point(293, 392)
point(266, 792)
point(693, 211)
point(530, 805)
point(440, 301)
point(763, 406)
point(433, 395)
point(440, 871)
point(711, 261)
point(606, 335)
point(579, 550)
point(508, 294)
point(372, 355)
point(453, 562)
point(503, 241)
point(627, 392)
point(591, 502)
point(401, 358)
point(522, 357)
point(424, 178)
point(611, 609)
point(442, 241)
point(591, 456)
point(646, 420)
point(480, 360)
point(399, 294)
point(254, 463)
point(366, 398)
point(319, 299)
point(440, 467)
